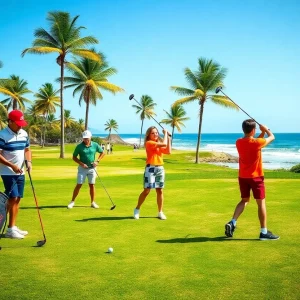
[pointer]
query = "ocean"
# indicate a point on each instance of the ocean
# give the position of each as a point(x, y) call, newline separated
point(283, 152)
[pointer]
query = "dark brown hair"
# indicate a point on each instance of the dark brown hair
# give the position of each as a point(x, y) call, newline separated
point(248, 125)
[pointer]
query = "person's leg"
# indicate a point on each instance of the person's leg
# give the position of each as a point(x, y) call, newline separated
point(262, 213)
point(240, 208)
point(14, 186)
point(245, 188)
point(76, 191)
point(13, 209)
point(159, 199)
point(142, 197)
point(92, 192)
point(91, 174)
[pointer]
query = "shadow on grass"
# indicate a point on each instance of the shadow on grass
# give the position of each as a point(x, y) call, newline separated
point(104, 219)
point(52, 206)
point(201, 239)
point(111, 219)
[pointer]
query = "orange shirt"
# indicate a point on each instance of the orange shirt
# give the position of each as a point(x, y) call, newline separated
point(250, 159)
point(154, 154)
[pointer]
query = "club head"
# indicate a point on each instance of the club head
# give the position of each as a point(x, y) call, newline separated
point(113, 207)
point(131, 96)
point(218, 89)
point(41, 243)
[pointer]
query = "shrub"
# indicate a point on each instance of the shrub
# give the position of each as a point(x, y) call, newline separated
point(295, 169)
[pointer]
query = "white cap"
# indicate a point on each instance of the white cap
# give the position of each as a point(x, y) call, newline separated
point(86, 134)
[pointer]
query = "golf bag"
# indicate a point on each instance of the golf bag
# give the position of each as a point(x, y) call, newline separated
point(3, 209)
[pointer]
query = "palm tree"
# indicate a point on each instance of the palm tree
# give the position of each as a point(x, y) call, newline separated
point(17, 88)
point(110, 125)
point(69, 120)
point(45, 104)
point(89, 77)
point(35, 123)
point(176, 117)
point(81, 124)
point(206, 79)
point(63, 38)
point(146, 110)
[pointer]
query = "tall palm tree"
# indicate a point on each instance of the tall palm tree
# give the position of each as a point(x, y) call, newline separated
point(206, 79)
point(145, 109)
point(176, 118)
point(17, 88)
point(63, 38)
point(110, 125)
point(89, 77)
point(46, 103)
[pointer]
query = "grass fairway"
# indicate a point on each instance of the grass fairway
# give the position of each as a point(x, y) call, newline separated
point(184, 257)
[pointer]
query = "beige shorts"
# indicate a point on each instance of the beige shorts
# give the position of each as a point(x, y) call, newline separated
point(83, 173)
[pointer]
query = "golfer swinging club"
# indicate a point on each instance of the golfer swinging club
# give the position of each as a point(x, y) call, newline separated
point(251, 176)
point(86, 151)
point(154, 175)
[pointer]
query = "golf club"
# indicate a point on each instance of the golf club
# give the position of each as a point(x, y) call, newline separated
point(132, 97)
point(114, 206)
point(219, 89)
point(42, 242)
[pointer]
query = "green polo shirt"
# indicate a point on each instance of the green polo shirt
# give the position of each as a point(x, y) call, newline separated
point(87, 153)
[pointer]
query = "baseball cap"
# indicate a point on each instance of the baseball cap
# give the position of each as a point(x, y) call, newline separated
point(86, 134)
point(18, 117)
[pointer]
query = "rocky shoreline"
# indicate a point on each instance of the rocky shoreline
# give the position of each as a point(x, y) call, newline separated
point(220, 157)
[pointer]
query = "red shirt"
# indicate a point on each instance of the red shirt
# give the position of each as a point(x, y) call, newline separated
point(250, 158)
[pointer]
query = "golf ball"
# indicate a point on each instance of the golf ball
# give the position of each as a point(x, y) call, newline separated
point(110, 250)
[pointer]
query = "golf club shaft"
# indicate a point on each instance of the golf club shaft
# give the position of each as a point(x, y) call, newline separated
point(151, 116)
point(239, 107)
point(36, 202)
point(104, 188)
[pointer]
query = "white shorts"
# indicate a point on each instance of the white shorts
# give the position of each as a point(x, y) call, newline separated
point(83, 173)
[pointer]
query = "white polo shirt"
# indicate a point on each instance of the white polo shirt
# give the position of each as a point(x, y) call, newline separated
point(12, 148)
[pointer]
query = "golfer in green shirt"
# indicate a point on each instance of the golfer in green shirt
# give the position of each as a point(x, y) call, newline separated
point(86, 151)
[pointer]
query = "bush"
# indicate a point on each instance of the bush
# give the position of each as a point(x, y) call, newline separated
point(98, 140)
point(295, 169)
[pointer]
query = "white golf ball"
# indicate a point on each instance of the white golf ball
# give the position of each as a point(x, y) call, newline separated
point(110, 250)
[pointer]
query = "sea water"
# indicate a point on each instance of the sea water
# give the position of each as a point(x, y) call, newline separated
point(283, 152)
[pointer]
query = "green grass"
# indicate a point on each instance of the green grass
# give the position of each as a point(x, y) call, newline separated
point(184, 257)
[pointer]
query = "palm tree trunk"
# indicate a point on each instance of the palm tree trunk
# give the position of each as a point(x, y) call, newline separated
point(199, 132)
point(14, 104)
point(87, 110)
point(141, 133)
point(173, 127)
point(62, 112)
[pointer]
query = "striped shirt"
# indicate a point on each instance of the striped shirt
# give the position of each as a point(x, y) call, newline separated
point(12, 148)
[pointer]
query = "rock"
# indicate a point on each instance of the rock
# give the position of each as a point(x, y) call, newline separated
point(220, 157)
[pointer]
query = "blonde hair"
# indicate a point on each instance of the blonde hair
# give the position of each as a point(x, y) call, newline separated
point(147, 135)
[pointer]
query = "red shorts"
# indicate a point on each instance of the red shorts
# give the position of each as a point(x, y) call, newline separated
point(255, 184)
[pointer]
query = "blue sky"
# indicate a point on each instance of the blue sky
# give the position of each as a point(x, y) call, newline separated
point(151, 42)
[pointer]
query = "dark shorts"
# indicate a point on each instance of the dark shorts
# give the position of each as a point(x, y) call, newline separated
point(15, 189)
point(255, 184)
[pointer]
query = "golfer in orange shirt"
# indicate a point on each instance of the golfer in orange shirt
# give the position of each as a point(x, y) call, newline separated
point(154, 175)
point(251, 176)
